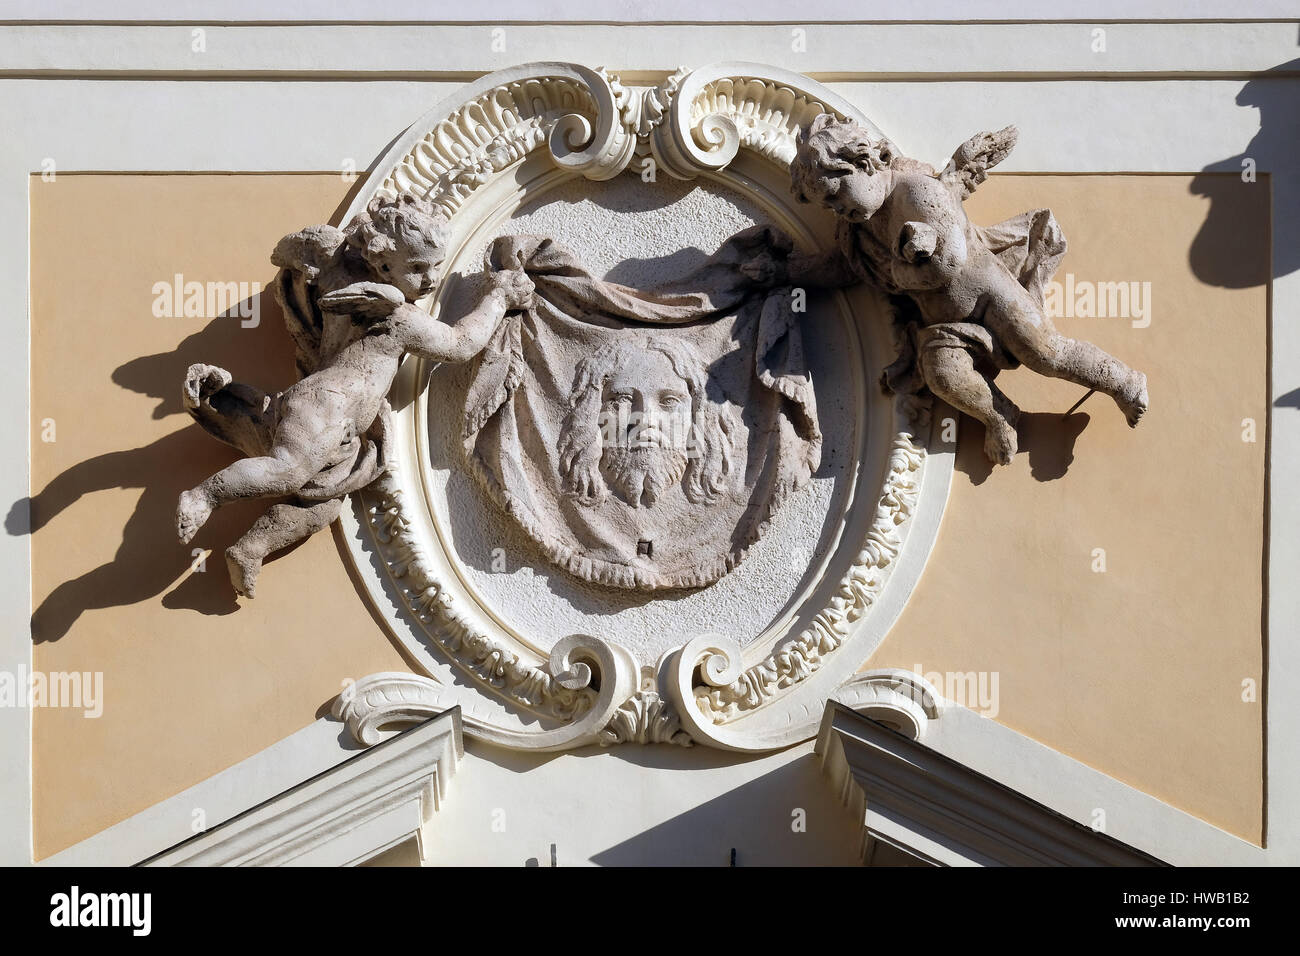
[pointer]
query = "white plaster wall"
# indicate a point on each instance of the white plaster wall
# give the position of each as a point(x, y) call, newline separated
point(653, 806)
point(560, 11)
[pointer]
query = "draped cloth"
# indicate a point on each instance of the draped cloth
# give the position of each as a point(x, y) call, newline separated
point(535, 388)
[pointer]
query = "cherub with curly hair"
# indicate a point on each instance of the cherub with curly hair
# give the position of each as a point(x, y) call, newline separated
point(349, 301)
point(903, 228)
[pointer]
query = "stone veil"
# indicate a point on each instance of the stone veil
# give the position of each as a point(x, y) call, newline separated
point(644, 438)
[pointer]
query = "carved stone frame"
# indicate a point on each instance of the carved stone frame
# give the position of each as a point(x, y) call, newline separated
point(508, 137)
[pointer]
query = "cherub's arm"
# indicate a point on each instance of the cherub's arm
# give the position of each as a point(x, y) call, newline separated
point(816, 270)
point(971, 163)
point(431, 339)
point(829, 270)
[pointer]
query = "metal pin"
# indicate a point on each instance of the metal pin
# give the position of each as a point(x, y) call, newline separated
point(1079, 402)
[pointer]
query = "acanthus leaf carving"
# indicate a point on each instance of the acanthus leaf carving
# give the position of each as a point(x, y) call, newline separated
point(645, 718)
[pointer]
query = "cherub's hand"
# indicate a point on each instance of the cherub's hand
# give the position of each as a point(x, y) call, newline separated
point(515, 288)
point(764, 270)
point(370, 300)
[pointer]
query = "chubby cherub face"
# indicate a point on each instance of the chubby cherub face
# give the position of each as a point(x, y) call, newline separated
point(404, 243)
point(412, 264)
point(855, 194)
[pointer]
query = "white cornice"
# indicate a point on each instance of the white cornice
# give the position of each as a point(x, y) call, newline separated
point(347, 815)
point(924, 804)
point(461, 52)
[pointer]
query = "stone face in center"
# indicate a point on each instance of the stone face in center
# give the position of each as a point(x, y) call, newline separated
point(618, 425)
point(642, 236)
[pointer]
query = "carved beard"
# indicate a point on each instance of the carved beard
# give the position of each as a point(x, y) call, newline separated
point(641, 475)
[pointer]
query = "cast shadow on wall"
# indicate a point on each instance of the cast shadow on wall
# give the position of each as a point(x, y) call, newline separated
point(1048, 438)
point(1272, 150)
point(750, 825)
point(1213, 255)
point(149, 560)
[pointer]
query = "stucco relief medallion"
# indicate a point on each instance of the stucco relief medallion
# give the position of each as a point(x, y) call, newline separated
point(645, 438)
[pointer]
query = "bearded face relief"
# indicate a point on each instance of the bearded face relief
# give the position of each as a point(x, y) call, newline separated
point(644, 424)
point(642, 437)
point(655, 427)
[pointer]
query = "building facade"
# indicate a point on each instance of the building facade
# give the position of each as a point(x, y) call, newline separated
point(852, 624)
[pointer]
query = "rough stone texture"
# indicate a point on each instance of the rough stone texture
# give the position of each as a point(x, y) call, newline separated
point(323, 437)
point(643, 437)
point(970, 299)
point(643, 235)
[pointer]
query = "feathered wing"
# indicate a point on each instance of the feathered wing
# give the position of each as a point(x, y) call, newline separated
point(1030, 245)
point(971, 163)
point(301, 256)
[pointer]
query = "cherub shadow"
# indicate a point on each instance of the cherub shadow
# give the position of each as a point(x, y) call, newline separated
point(149, 558)
point(1046, 437)
point(256, 349)
point(258, 354)
point(1213, 255)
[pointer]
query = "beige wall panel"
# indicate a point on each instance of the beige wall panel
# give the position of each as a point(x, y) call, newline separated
point(1136, 671)
point(193, 682)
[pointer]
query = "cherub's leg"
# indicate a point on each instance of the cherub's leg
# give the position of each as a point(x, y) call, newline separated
point(280, 527)
point(950, 373)
point(282, 472)
point(1031, 338)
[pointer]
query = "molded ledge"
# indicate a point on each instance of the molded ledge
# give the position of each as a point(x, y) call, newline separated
point(932, 809)
point(345, 816)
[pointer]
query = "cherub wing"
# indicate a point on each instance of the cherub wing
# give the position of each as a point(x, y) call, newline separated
point(974, 158)
point(301, 255)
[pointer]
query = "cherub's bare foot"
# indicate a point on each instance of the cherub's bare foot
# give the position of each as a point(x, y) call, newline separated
point(1133, 400)
point(1000, 442)
point(192, 512)
point(202, 381)
point(244, 569)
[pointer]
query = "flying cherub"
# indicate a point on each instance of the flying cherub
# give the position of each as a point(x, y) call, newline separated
point(971, 298)
point(348, 297)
